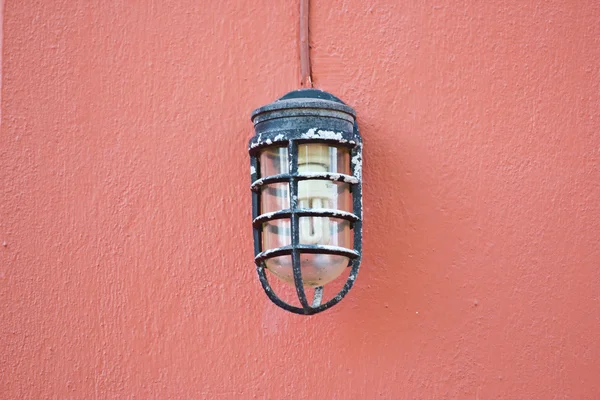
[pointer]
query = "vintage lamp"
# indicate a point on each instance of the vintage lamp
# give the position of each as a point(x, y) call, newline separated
point(306, 171)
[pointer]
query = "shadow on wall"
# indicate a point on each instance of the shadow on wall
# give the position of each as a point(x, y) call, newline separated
point(397, 285)
point(409, 253)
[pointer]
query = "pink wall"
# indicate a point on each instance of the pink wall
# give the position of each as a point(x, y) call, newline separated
point(126, 260)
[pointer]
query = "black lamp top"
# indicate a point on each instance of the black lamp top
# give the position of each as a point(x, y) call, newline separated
point(306, 98)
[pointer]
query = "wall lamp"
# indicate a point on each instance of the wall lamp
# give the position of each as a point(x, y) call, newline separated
point(306, 174)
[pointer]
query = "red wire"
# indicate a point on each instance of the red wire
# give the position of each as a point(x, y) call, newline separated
point(306, 80)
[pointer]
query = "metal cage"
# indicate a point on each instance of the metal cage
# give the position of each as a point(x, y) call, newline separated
point(300, 117)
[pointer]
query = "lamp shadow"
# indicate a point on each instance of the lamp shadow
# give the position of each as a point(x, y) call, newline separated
point(407, 245)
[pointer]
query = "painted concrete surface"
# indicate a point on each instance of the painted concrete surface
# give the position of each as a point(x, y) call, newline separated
point(126, 256)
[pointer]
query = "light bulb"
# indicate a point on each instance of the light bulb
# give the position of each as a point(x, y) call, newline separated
point(315, 194)
point(317, 269)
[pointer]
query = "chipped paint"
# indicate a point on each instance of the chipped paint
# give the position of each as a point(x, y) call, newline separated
point(325, 248)
point(331, 176)
point(316, 133)
point(357, 164)
point(252, 170)
point(268, 216)
point(267, 253)
point(256, 142)
point(257, 183)
point(310, 134)
point(341, 214)
point(331, 212)
point(328, 212)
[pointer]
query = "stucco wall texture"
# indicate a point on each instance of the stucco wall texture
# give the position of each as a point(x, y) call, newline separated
point(126, 253)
